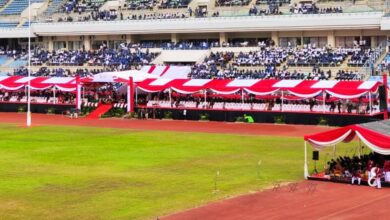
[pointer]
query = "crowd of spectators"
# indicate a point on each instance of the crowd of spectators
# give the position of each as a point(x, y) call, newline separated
point(348, 75)
point(188, 45)
point(272, 9)
point(230, 65)
point(232, 2)
point(211, 71)
point(104, 15)
point(59, 72)
point(311, 55)
point(95, 15)
point(254, 10)
point(120, 59)
point(265, 63)
point(79, 6)
point(140, 4)
point(311, 8)
point(157, 16)
point(174, 3)
point(359, 57)
point(262, 57)
point(203, 44)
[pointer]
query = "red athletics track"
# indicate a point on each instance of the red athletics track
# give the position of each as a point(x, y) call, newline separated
point(170, 125)
point(311, 200)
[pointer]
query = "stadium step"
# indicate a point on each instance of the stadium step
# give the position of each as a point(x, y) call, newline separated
point(6, 5)
point(99, 111)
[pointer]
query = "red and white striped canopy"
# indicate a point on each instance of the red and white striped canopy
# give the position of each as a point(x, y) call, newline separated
point(300, 88)
point(38, 83)
point(374, 134)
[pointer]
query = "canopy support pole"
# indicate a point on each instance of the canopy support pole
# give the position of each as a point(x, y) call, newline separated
point(386, 114)
point(130, 95)
point(54, 95)
point(370, 103)
point(242, 99)
point(170, 96)
point(281, 104)
point(78, 93)
point(136, 95)
point(323, 102)
point(205, 98)
point(305, 166)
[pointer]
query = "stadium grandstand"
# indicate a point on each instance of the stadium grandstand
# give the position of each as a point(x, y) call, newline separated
point(283, 40)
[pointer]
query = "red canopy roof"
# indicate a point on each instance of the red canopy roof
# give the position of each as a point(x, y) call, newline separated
point(38, 83)
point(376, 135)
point(300, 88)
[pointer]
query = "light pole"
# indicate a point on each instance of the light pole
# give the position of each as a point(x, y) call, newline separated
point(29, 67)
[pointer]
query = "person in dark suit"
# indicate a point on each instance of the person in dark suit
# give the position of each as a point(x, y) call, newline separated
point(339, 106)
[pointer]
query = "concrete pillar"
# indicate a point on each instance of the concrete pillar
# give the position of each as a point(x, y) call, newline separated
point(174, 38)
point(374, 42)
point(222, 38)
point(87, 43)
point(50, 44)
point(129, 38)
point(275, 37)
point(331, 39)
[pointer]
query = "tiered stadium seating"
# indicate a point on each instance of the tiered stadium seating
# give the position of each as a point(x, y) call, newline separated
point(17, 63)
point(174, 3)
point(3, 2)
point(3, 59)
point(54, 6)
point(91, 3)
point(140, 4)
point(8, 24)
point(25, 24)
point(231, 2)
point(17, 7)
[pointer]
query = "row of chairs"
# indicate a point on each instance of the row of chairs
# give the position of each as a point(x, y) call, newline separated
point(256, 106)
point(90, 104)
point(119, 105)
point(96, 104)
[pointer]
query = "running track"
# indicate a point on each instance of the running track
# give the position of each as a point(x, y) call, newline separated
point(310, 200)
point(167, 125)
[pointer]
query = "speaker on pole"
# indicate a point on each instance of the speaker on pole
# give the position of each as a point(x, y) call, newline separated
point(316, 155)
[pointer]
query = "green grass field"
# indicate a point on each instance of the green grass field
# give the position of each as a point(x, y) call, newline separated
point(96, 173)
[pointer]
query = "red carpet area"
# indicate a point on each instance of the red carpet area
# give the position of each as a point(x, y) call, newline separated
point(100, 110)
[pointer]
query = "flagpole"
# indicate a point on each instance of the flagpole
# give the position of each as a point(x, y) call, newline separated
point(29, 67)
